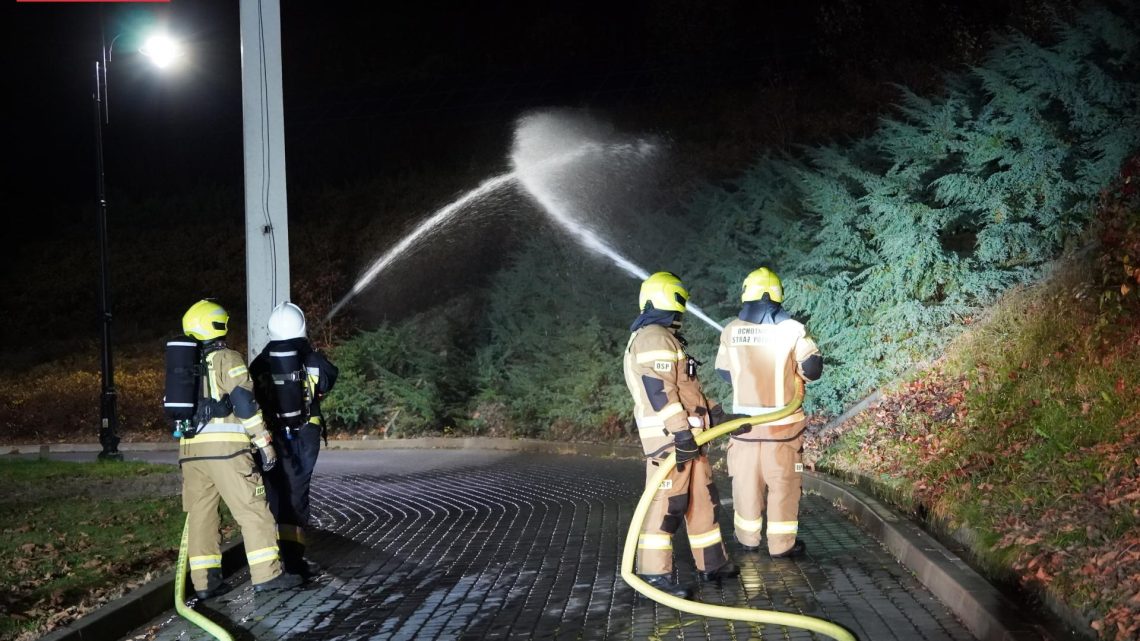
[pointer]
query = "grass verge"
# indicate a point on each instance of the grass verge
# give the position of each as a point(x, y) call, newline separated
point(1024, 439)
point(76, 535)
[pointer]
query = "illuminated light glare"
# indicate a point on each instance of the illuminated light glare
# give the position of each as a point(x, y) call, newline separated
point(162, 50)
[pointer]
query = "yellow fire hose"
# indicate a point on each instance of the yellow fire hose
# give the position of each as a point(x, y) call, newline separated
point(188, 613)
point(706, 609)
point(692, 607)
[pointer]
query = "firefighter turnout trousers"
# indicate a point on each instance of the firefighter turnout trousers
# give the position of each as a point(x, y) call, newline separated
point(767, 460)
point(287, 485)
point(689, 496)
point(217, 464)
point(236, 481)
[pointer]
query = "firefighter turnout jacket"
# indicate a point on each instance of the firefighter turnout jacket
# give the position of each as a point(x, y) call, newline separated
point(230, 430)
point(664, 395)
point(292, 404)
point(764, 355)
point(217, 463)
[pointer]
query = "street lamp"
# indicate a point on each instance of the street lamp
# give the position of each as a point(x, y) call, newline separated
point(162, 51)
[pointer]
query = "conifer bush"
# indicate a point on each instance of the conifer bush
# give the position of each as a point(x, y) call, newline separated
point(888, 244)
point(398, 380)
point(554, 342)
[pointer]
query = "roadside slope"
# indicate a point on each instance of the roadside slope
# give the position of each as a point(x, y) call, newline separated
point(1023, 440)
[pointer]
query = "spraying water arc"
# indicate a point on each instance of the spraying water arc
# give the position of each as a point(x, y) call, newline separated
point(429, 224)
point(534, 175)
point(535, 179)
point(440, 218)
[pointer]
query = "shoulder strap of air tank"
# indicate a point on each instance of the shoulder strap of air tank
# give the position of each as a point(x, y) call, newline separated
point(207, 375)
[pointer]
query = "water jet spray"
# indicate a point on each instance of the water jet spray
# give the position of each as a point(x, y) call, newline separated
point(535, 176)
point(437, 219)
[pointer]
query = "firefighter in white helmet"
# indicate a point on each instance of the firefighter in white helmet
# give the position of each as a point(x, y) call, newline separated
point(669, 409)
point(765, 355)
point(291, 379)
point(217, 463)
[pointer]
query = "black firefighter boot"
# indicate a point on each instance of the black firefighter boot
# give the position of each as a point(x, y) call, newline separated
point(215, 586)
point(283, 581)
point(294, 561)
point(726, 571)
point(797, 549)
point(303, 567)
point(662, 582)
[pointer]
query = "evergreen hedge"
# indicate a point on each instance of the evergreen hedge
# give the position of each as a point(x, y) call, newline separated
point(888, 245)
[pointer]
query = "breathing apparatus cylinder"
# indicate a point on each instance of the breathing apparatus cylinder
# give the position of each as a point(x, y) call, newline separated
point(183, 376)
point(289, 389)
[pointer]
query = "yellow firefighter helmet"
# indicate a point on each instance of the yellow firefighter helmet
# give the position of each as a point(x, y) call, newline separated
point(665, 291)
point(760, 282)
point(205, 320)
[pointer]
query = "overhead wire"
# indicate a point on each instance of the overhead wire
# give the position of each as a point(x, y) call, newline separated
point(266, 154)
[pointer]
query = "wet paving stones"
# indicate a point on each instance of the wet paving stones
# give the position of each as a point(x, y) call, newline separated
point(431, 544)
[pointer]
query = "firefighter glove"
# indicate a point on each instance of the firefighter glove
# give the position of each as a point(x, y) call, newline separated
point(742, 430)
point(717, 415)
point(268, 457)
point(686, 447)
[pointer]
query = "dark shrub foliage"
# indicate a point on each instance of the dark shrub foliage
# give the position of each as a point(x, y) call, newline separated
point(400, 380)
point(554, 341)
point(889, 243)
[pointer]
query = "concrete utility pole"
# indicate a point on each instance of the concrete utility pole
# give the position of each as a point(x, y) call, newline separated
point(266, 208)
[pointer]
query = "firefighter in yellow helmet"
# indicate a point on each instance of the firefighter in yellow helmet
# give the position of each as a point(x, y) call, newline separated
point(217, 462)
point(669, 409)
point(765, 354)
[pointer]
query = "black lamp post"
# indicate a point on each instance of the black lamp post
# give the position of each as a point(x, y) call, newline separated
point(109, 418)
point(161, 51)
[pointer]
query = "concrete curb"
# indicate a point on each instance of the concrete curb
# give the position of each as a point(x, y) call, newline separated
point(117, 618)
point(525, 445)
point(48, 448)
point(988, 613)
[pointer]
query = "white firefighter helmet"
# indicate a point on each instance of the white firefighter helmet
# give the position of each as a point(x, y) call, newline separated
point(285, 322)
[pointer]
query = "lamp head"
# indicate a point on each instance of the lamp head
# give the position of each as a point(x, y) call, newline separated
point(162, 50)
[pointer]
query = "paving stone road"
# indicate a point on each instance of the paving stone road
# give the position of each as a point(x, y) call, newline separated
point(463, 544)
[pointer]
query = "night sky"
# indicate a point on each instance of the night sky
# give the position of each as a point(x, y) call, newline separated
point(166, 130)
point(427, 84)
point(422, 98)
point(368, 89)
